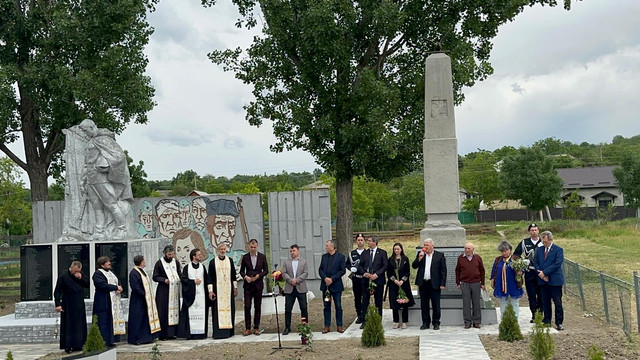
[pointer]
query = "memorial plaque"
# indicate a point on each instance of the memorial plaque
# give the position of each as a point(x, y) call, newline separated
point(119, 260)
point(68, 253)
point(35, 273)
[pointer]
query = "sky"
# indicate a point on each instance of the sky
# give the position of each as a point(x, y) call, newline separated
point(573, 75)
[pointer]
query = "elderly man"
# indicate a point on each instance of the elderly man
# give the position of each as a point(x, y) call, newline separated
point(470, 279)
point(166, 273)
point(332, 267)
point(548, 262)
point(69, 299)
point(431, 280)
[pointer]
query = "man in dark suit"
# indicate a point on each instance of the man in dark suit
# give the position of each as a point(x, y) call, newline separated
point(253, 269)
point(332, 267)
point(373, 264)
point(353, 260)
point(294, 273)
point(548, 260)
point(431, 280)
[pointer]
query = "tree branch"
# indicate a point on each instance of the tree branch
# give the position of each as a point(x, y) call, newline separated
point(13, 157)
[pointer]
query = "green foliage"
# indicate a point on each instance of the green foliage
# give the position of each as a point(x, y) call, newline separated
point(139, 184)
point(9, 355)
point(15, 205)
point(479, 177)
point(410, 196)
point(605, 213)
point(595, 354)
point(628, 179)
point(155, 351)
point(529, 176)
point(354, 97)
point(56, 191)
point(95, 342)
point(541, 345)
point(64, 61)
point(572, 205)
point(373, 333)
point(509, 327)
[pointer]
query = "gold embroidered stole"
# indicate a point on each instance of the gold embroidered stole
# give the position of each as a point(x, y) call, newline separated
point(174, 290)
point(117, 311)
point(223, 294)
point(152, 312)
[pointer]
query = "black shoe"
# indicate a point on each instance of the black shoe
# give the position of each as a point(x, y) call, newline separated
point(531, 321)
point(560, 327)
point(111, 345)
point(286, 331)
point(362, 326)
point(359, 321)
point(424, 326)
point(68, 351)
point(436, 327)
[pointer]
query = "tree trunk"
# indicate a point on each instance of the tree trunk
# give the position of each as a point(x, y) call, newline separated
point(38, 182)
point(344, 217)
point(548, 213)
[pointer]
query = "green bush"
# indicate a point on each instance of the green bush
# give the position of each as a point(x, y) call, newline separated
point(9, 355)
point(95, 342)
point(509, 328)
point(373, 333)
point(541, 345)
point(595, 354)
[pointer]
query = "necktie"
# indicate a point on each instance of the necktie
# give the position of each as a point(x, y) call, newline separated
point(370, 259)
point(546, 252)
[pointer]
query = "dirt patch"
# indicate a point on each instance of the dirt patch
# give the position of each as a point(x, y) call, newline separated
point(7, 304)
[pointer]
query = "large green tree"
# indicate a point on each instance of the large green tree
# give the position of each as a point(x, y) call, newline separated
point(344, 80)
point(628, 178)
point(529, 176)
point(479, 177)
point(15, 208)
point(62, 61)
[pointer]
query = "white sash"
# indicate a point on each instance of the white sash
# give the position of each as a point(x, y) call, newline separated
point(174, 290)
point(152, 311)
point(117, 310)
point(223, 295)
point(197, 309)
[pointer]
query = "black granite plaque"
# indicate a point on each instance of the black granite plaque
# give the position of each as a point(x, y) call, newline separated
point(119, 260)
point(68, 253)
point(35, 273)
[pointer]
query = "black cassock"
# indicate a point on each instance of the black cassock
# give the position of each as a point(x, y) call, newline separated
point(162, 299)
point(217, 332)
point(102, 307)
point(73, 319)
point(139, 330)
point(188, 297)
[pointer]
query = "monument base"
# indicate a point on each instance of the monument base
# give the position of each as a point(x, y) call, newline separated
point(451, 312)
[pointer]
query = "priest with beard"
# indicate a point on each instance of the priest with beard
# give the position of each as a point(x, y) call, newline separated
point(143, 315)
point(166, 273)
point(69, 299)
point(222, 279)
point(106, 302)
point(195, 306)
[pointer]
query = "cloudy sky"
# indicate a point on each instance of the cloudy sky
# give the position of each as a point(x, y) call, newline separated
point(571, 75)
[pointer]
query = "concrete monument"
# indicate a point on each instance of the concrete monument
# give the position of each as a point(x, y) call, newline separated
point(98, 193)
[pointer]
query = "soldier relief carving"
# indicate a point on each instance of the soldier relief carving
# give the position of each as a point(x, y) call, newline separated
point(98, 193)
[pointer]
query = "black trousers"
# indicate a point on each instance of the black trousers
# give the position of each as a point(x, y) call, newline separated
point(357, 296)
point(429, 295)
point(551, 292)
point(533, 292)
point(289, 300)
point(377, 297)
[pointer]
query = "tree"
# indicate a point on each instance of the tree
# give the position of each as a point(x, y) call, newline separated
point(139, 184)
point(572, 205)
point(479, 177)
point(410, 197)
point(344, 80)
point(529, 176)
point(15, 208)
point(628, 179)
point(62, 61)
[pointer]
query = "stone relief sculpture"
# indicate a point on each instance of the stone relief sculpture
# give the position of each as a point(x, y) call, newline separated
point(98, 193)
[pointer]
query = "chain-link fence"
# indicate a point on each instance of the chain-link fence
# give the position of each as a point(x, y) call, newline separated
point(601, 295)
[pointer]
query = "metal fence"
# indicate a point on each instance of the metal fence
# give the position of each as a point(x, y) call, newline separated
point(601, 295)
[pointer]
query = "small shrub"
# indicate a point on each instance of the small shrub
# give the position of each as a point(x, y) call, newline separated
point(541, 345)
point(95, 342)
point(509, 327)
point(373, 333)
point(155, 351)
point(595, 354)
point(9, 355)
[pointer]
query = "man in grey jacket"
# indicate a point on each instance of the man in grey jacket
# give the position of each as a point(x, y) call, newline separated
point(294, 273)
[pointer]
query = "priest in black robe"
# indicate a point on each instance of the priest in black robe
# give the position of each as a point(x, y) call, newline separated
point(194, 313)
point(166, 273)
point(222, 277)
point(69, 299)
point(108, 291)
point(144, 324)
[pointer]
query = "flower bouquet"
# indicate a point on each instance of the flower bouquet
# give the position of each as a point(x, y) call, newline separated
point(519, 266)
point(327, 295)
point(306, 331)
point(278, 280)
point(402, 297)
point(372, 287)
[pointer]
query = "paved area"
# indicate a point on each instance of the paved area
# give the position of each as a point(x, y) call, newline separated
point(450, 342)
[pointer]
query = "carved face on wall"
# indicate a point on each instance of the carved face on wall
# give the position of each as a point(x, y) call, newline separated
point(168, 217)
point(183, 247)
point(146, 216)
point(224, 230)
point(185, 213)
point(199, 213)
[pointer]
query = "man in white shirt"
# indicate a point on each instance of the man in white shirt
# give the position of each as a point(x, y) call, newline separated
point(294, 273)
